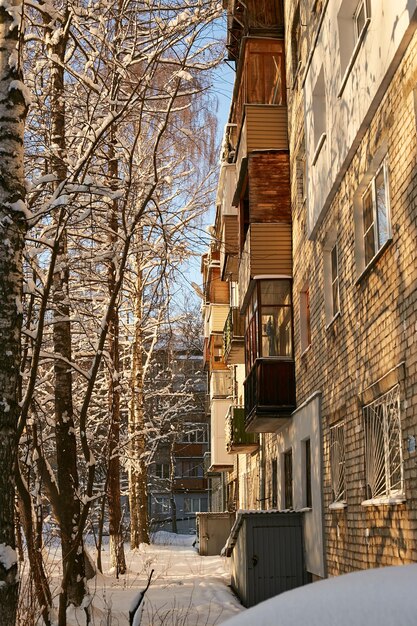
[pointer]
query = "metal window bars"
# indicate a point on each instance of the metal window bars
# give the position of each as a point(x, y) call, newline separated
point(337, 461)
point(383, 452)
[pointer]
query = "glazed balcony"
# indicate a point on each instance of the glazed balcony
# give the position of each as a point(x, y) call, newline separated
point(238, 441)
point(267, 251)
point(233, 338)
point(269, 394)
point(259, 98)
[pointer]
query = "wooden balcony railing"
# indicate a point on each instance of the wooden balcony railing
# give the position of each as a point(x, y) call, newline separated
point(238, 441)
point(269, 394)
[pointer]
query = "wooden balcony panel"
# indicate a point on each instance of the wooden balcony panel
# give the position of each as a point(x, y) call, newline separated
point(269, 395)
point(238, 441)
point(229, 246)
point(217, 315)
point(184, 449)
point(190, 483)
point(267, 251)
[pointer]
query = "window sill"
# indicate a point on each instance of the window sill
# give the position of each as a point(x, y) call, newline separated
point(306, 351)
point(304, 509)
point(353, 57)
point(320, 144)
point(373, 261)
point(338, 506)
point(385, 500)
point(331, 322)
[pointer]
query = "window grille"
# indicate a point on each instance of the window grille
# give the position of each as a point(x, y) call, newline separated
point(337, 462)
point(383, 453)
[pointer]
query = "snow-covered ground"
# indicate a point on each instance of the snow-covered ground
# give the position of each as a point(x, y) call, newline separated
point(186, 590)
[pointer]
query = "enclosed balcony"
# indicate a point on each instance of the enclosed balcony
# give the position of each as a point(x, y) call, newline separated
point(238, 441)
point(213, 353)
point(267, 251)
point(269, 395)
point(233, 338)
point(259, 114)
point(270, 375)
point(221, 461)
point(252, 17)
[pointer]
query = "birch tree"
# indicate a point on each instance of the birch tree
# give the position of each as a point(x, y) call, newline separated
point(13, 109)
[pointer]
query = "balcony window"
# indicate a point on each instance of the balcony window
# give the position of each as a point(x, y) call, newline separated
point(269, 321)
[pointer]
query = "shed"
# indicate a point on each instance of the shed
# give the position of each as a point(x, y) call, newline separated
point(266, 548)
point(213, 529)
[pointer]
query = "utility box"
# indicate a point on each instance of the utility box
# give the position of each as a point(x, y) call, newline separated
point(266, 548)
point(213, 529)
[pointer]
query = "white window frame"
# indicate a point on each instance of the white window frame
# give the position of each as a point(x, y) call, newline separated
point(350, 37)
point(163, 502)
point(375, 225)
point(332, 308)
point(379, 163)
point(338, 465)
point(384, 467)
point(366, 14)
point(164, 470)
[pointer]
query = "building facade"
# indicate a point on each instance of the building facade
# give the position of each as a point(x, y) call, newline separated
point(314, 251)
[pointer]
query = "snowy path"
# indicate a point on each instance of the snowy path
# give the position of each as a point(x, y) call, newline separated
point(186, 589)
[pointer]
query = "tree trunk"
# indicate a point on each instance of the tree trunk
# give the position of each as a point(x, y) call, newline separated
point(117, 555)
point(73, 588)
point(138, 478)
point(12, 226)
point(172, 481)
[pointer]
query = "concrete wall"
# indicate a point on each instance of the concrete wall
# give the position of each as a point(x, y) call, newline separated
point(305, 424)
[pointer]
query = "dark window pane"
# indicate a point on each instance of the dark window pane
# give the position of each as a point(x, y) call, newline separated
point(368, 214)
point(334, 263)
point(369, 246)
point(335, 289)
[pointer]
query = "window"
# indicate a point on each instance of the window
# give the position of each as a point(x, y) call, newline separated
point(162, 470)
point(288, 479)
point(161, 505)
point(375, 211)
point(362, 14)
point(307, 458)
point(194, 433)
point(274, 483)
point(305, 319)
point(331, 279)
point(319, 114)
point(195, 505)
point(190, 468)
point(296, 43)
point(337, 462)
point(352, 21)
point(383, 452)
point(268, 321)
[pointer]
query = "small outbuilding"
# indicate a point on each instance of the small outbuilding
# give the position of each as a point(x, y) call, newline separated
point(213, 529)
point(266, 549)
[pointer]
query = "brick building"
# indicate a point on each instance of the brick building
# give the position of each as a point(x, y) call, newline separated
point(315, 236)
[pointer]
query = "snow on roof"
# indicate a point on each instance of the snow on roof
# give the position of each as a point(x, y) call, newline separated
point(376, 597)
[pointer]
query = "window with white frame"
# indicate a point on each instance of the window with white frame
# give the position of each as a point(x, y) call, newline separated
point(331, 279)
point(319, 114)
point(362, 14)
point(337, 462)
point(383, 451)
point(353, 20)
point(372, 212)
point(376, 221)
point(162, 470)
point(194, 433)
point(195, 504)
point(161, 505)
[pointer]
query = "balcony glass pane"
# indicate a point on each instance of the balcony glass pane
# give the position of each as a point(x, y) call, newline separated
point(275, 292)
